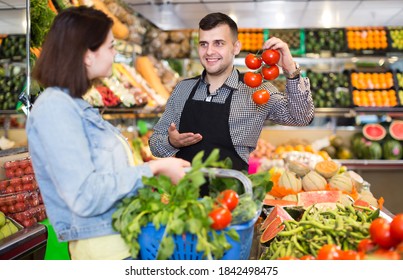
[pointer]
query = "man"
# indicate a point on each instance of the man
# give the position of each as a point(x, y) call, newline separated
point(216, 110)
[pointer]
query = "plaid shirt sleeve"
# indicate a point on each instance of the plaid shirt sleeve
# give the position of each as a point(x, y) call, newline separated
point(295, 106)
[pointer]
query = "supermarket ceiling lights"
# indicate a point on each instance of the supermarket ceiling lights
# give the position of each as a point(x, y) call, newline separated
point(185, 14)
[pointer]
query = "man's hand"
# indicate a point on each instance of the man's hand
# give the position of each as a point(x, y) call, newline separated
point(286, 61)
point(179, 140)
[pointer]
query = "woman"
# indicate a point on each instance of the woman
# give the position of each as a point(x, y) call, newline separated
point(83, 164)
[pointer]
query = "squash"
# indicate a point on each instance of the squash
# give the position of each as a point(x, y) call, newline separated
point(290, 181)
point(313, 181)
point(119, 29)
point(327, 168)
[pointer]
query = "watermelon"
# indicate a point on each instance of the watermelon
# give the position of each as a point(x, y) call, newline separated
point(374, 131)
point(308, 198)
point(373, 150)
point(396, 130)
point(392, 149)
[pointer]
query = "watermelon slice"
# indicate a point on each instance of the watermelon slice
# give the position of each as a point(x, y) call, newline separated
point(360, 202)
point(312, 197)
point(279, 202)
point(271, 231)
point(396, 130)
point(277, 211)
point(374, 131)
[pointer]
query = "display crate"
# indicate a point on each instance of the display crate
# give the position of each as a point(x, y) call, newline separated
point(395, 38)
point(251, 39)
point(373, 89)
point(367, 40)
point(398, 78)
point(295, 38)
point(330, 89)
point(325, 42)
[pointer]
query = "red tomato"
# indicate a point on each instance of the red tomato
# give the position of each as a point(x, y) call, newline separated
point(380, 233)
point(9, 173)
point(271, 72)
point(349, 255)
point(228, 198)
point(221, 217)
point(396, 227)
point(253, 62)
point(366, 245)
point(261, 96)
point(399, 248)
point(329, 252)
point(253, 79)
point(271, 57)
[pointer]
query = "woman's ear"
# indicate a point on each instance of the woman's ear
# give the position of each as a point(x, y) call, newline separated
point(88, 58)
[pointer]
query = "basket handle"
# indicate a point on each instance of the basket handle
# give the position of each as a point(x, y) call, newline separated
point(228, 173)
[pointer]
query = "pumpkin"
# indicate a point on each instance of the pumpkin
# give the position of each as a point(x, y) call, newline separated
point(327, 168)
point(341, 182)
point(313, 181)
point(290, 181)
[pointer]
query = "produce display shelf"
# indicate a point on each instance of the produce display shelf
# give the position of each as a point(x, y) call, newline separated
point(335, 112)
point(367, 164)
point(137, 111)
point(379, 110)
point(23, 242)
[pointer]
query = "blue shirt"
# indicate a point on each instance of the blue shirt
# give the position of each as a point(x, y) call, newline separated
point(80, 164)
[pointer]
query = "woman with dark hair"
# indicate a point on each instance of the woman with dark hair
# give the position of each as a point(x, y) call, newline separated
point(83, 164)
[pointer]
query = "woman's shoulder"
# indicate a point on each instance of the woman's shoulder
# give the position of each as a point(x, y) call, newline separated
point(53, 99)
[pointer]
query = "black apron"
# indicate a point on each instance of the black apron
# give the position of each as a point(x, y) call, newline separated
point(211, 120)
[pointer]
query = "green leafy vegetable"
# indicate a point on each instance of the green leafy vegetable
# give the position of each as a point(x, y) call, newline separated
point(177, 208)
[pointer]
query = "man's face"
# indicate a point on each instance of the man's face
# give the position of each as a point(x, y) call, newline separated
point(217, 50)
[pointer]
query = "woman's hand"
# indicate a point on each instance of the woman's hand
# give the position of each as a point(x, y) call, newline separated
point(171, 167)
point(286, 61)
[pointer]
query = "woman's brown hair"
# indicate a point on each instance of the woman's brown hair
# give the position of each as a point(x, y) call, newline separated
point(61, 62)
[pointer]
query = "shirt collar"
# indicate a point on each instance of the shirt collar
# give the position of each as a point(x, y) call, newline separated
point(231, 82)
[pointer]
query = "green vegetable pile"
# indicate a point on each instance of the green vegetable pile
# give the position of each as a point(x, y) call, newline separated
point(179, 209)
point(345, 226)
point(41, 20)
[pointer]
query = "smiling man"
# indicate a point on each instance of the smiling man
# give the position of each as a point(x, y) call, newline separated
point(216, 109)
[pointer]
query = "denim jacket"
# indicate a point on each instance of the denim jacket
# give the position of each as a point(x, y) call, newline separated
point(81, 166)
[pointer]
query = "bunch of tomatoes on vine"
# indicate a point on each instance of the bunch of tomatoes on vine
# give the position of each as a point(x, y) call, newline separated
point(265, 66)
